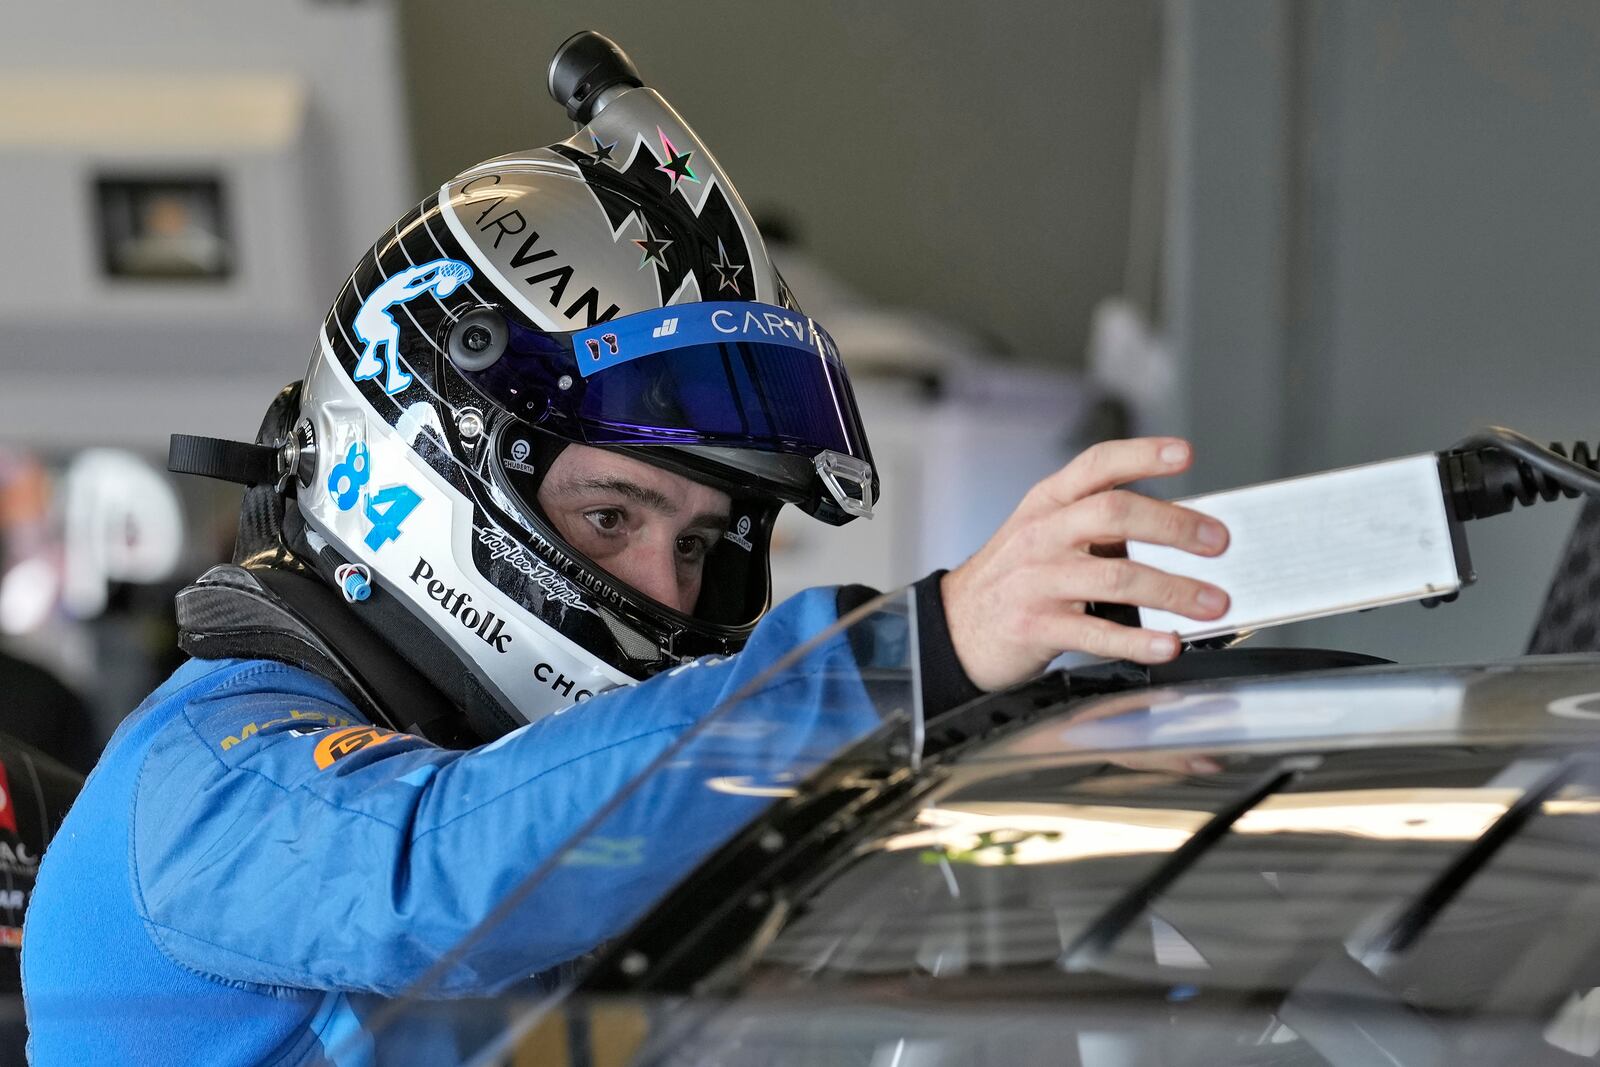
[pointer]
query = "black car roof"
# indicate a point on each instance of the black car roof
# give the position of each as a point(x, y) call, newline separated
point(1556, 698)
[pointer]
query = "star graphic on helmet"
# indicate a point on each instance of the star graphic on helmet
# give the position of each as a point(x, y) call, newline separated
point(654, 248)
point(677, 165)
point(602, 152)
point(727, 273)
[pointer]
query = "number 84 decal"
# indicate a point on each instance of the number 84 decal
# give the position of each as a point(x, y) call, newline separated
point(386, 509)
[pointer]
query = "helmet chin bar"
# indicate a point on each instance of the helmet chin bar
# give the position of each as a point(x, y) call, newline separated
point(848, 480)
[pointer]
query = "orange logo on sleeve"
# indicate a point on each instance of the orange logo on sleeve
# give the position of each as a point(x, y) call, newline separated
point(340, 743)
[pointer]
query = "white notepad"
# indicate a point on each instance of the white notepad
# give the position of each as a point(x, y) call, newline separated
point(1319, 545)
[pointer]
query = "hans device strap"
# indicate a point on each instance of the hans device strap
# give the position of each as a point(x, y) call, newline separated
point(231, 461)
point(272, 613)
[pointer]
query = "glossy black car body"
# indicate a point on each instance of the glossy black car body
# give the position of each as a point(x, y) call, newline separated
point(1374, 864)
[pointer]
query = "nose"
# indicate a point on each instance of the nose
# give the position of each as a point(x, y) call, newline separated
point(653, 570)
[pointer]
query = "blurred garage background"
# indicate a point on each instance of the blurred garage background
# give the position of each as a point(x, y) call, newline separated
point(1305, 233)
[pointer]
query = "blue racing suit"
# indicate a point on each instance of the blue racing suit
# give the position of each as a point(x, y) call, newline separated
point(248, 872)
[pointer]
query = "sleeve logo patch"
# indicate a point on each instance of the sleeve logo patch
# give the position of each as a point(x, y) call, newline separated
point(341, 743)
point(309, 720)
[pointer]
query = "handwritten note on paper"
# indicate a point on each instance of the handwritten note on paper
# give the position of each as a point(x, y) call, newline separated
point(1318, 545)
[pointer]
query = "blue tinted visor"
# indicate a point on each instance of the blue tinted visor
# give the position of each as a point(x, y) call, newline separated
point(734, 374)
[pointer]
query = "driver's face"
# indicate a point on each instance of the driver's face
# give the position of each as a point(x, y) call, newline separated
point(645, 526)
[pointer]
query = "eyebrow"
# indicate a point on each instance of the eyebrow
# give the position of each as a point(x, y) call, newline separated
point(639, 494)
point(654, 499)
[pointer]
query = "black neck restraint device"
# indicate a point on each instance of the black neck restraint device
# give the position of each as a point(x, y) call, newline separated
point(274, 601)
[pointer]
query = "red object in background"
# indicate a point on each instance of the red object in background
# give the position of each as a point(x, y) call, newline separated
point(8, 811)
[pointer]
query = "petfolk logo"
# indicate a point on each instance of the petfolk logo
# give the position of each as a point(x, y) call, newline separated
point(489, 628)
point(377, 329)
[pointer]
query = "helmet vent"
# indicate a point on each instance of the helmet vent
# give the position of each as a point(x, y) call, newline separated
point(634, 644)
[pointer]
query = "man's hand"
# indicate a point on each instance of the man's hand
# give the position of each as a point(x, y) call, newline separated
point(1020, 600)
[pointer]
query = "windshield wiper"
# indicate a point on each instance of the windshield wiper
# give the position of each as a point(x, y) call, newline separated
point(1343, 1007)
point(1406, 927)
point(1090, 946)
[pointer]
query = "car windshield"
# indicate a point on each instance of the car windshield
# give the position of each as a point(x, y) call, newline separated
point(1107, 886)
point(1420, 905)
point(1407, 907)
point(740, 760)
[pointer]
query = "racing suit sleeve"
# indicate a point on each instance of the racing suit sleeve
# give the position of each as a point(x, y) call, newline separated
point(272, 848)
point(945, 684)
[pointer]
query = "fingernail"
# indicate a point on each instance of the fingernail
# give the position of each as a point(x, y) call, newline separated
point(1174, 453)
point(1163, 646)
point(1211, 600)
point(1211, 534)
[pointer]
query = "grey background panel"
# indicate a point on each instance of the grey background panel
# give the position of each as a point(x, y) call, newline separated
point(964, 159)
point(1438, 254)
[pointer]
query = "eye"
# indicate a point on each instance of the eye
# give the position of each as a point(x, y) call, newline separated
point(605, 520)
point(691, 548)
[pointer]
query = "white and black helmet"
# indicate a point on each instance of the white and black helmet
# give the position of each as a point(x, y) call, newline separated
point(609, 290)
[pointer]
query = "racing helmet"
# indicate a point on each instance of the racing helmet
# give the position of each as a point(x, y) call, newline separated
point(610, 290)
